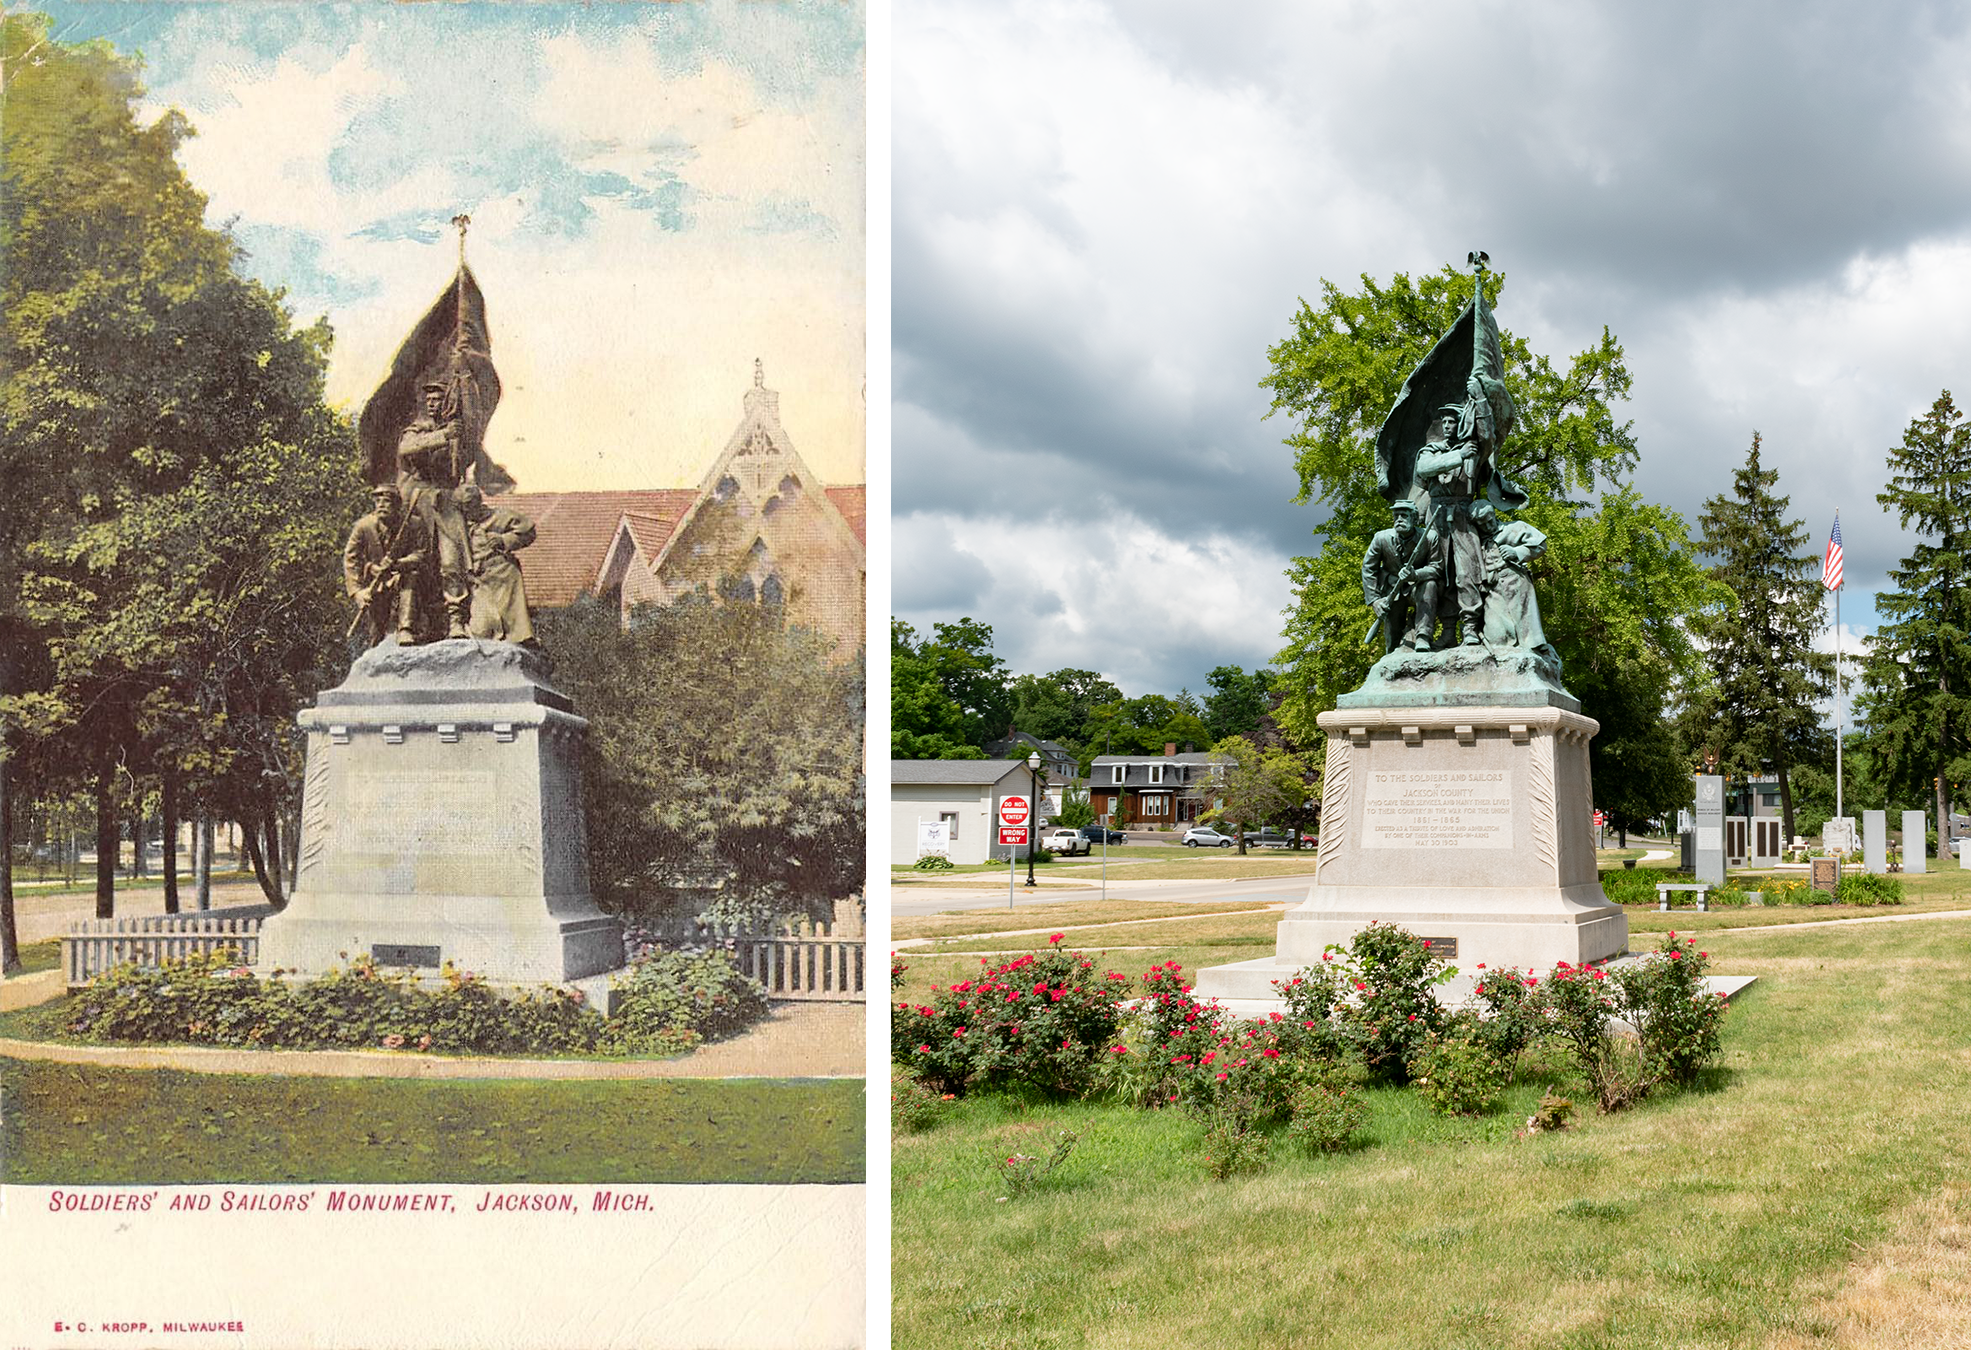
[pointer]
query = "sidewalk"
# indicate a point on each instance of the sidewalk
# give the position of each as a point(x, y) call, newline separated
point(798, 1040)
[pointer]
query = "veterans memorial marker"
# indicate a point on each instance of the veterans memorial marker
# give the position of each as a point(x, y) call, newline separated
point(1456, 799)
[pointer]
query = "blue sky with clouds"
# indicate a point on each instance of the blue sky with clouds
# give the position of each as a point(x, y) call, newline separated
point(659, 194)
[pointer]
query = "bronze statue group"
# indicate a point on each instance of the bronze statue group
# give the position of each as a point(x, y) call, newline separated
point(1451, 570)
point(435, 559)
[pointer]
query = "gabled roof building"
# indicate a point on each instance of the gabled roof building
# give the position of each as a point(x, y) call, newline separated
point(759, 527)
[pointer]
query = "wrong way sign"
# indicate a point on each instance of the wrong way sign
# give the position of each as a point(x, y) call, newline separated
point(1012, 836)
point(1013, 810)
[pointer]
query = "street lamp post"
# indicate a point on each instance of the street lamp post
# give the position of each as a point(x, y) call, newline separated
point(1033, 827)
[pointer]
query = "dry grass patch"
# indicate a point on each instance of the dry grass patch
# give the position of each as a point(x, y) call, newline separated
point(1911, 1290)
point(1053, 917)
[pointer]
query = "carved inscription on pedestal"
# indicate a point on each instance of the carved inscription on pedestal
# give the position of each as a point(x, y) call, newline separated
point(1438, 808)
point(439, 812)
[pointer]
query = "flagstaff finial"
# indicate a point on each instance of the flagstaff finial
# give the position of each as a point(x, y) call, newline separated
point(1477, 258)
point(459, 223)
point(759, 374)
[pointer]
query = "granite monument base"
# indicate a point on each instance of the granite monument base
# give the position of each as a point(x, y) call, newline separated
point(1470, 826)
point(441, 822)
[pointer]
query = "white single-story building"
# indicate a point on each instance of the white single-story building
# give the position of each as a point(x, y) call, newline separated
point(964, 793)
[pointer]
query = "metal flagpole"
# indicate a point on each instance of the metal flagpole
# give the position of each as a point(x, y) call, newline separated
point(1840, 704)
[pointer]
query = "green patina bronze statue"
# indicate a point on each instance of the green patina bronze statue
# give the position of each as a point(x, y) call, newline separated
point(1451, 571)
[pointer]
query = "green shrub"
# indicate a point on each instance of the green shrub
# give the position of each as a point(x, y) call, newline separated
point(1044, 1019)
point(1387, 1010)
point(913, 1106)
point(675, 1000)
point(1234, 1145)
point(1326, 1114)
point(1663, 997)
point(1553, 1113)
point(1869, 888)
point(1510, 1019)
point(1457, 1074)
point(933, 862)
point(672, 1002)
point(1021, 1172)
point(1625, 886)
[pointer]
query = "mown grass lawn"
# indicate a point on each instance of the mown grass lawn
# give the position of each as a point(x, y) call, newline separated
point(1839, 1121)
point(85, 1125)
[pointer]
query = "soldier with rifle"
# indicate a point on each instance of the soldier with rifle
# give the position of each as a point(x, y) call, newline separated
point(1400, 580)
point(429, 468)
point(380, 566)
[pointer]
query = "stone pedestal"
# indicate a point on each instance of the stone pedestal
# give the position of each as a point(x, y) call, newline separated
point(441, 821)
point(1472, 826)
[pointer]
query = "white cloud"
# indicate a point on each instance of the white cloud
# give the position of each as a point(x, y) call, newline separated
point(1115, 594)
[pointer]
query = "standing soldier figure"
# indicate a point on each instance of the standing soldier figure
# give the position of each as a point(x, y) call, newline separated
point(380, 567)
point(1395, 588)
point(428, 468)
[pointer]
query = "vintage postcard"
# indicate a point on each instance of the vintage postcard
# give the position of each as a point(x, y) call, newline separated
point(433, 598)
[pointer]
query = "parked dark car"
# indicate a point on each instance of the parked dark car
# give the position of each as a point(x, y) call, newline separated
point(1097, 834)
point(1268, 838)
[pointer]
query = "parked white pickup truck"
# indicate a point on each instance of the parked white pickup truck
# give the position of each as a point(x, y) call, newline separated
point(1065, 840)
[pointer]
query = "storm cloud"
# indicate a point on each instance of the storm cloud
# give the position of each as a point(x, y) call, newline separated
point(1104, 215)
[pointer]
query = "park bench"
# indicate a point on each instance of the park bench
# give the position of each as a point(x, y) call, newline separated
point(1664, 888)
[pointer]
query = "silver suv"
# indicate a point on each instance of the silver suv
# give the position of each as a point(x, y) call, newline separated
point(1203, 836)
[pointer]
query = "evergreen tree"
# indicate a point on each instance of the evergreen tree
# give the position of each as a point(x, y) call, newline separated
point(1916, 677)
point(1766, 676)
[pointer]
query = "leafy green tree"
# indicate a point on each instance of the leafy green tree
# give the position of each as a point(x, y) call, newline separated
point(1238, 701)
point(1145, 725)
point(1766, 677)
point(1916, 676)
point(1076, 811)
point(1060, 705)
point(1618, 578)
point(925, 721)
point(1256, 785)
point(723, 764)
point(151, 400)
point(959, 657)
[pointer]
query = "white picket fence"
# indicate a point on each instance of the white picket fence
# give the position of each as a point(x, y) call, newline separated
point(809, 962)
point(92, 946)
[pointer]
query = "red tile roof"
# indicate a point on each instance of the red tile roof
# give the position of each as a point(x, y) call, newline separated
point(853, 503)
point(575, 530)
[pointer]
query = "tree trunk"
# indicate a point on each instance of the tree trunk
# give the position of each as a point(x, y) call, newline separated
point(108, 835)
point(276, 856)
point(292, 841)
point(202, 841)
point(10, 942)
point(170, 810)
point(138, 837)
point(1943, 818)
point(1786, 805)
point(250, 845)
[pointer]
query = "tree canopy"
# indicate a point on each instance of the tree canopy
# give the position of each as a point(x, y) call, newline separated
point(1916, 676)
point(175, 482)
point(723, 763)
point(1759, 709)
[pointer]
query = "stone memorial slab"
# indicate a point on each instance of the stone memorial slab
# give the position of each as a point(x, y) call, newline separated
point(1875, 841)
point(1839, 833)
point(1916, 841)
point(1709, 829)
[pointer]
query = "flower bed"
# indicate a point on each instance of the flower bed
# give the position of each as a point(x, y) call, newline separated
point(669, 1002)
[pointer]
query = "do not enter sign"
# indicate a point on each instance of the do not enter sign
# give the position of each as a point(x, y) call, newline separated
point(1012, 810)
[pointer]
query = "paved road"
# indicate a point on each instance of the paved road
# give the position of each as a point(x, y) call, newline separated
point(1291, 889)
point(40, 917)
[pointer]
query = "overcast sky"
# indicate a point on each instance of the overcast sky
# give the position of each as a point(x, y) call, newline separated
point(1104, 215)
point(659, 194)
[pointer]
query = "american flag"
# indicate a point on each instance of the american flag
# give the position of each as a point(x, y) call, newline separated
point(1830, 570)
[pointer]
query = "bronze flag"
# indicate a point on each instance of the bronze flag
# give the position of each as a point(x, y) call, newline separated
point(449, 346)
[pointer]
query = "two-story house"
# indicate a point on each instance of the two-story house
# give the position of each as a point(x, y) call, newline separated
point(1152, 790)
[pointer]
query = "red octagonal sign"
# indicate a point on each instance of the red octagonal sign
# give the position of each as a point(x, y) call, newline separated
point(1012, 810)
